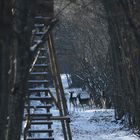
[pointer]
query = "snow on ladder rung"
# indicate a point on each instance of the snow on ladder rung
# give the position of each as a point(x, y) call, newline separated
point(39, 25)
point(43, 49)
point(38, 81)
point(40, 131)
point(42, 17)
point(47, 98)
point(42, 106)
point(39, 116)
point(38, 73)
point(41, 123)
point(50, 138)
point(36, 41)
point(42, 57)
point(38, 89)
point(41, 65)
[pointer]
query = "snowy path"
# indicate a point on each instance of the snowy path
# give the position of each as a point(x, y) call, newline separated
point(95, 125)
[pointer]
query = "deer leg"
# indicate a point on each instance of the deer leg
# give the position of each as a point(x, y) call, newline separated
point(83, 107)
point(73, 106)
point(105, 103)
point(89, 104)
point(70, 104)
point(80, 107)
point(76, 105)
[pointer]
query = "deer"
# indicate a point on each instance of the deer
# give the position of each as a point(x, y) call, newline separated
point(97, 101)
point(105, 100)
point(92, 100)
point(72, 100)
point(84, 101)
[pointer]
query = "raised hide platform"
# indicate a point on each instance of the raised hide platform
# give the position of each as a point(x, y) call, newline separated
point(44, 8)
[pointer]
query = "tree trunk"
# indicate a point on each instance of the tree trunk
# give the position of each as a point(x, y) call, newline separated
point(123, 17)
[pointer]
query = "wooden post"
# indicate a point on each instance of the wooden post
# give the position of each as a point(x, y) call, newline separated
point(59, 86)
point(57, 90)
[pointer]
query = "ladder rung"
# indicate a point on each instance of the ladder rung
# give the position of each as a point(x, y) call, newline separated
point(41, 123)
point(39, 115)
point(60, 118)
point(42, 57)
point(50, 138)
point(40, 98)
point(44, 106)
point(38, 73)
point(41, 65)
point(43, 49)
point(39, 25)
point(36, 41)
point(39, 118)
point(40, 131)
point(56, 118)
point(43, 17)
point(38, 81)
point(38, 89)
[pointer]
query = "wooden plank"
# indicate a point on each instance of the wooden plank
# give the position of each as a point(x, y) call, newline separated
point(49, 117)
point(43, 49)
point(38, 81)
point(39, 115)
point(38, 89)
point(58, 85)
point(39, 25)
point(39, 73)
point(38, 33)
point(43, 106)
point(36, 41)
point(53, 70)
point(47, 98)
point(60, 118)
point(40, 131)
point(41, 65)
point(41, 123)
point(50, 138)
point(42, 57)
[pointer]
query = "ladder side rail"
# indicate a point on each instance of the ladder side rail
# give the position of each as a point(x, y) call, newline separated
point(57, 89)
point(59, 82)
point(58, 78)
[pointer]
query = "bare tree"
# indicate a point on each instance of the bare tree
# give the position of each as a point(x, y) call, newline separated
point(15, 34)
point(124, 53)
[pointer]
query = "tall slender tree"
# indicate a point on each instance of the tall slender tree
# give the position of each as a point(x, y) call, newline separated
point(15, 34)
point(124, 52)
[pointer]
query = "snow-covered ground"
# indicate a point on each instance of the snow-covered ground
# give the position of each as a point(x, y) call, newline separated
point(93, 124)
point(90, 124)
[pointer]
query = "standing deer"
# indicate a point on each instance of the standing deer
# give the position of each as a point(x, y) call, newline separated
point(84, 101)
point(72, 100)
point(92, 99)
point(97, 100)
point(103, 100)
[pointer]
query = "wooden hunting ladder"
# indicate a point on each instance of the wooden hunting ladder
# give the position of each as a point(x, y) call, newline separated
point(39, 96)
